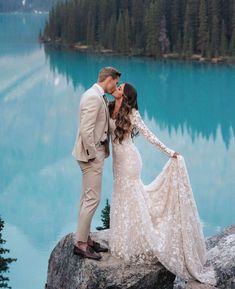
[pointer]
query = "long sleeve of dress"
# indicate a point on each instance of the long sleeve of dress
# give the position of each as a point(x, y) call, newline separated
point(138, 122)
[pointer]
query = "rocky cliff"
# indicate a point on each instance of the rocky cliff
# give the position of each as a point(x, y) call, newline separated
point(68, 271)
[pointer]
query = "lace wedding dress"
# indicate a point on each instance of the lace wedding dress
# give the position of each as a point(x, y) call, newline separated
point(159, 221)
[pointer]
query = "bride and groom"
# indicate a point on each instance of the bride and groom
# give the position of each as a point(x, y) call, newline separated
point(148, 223)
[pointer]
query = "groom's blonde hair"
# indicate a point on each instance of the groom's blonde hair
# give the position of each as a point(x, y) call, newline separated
point(108, 71)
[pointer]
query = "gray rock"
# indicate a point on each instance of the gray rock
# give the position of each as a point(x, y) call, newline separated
point(221, 255)
point(68, 271)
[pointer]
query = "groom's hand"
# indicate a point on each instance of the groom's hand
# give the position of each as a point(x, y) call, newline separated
point(91, 160)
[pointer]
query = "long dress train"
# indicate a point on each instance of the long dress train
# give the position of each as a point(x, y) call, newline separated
point(158, 221)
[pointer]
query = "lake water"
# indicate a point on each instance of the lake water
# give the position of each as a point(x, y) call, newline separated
point(189, 106)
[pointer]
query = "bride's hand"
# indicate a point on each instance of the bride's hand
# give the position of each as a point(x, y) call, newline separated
point(175, 155)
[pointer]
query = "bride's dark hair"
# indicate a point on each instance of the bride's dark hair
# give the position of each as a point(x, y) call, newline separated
point(123, 122)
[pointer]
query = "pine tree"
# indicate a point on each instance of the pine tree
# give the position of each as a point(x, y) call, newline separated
point(71, 23)
point(111, 33)
point(4, 262)
point(203, 33)
point(137, 34)
point(190, 28)
point(101, 17)
point(232, 41)
point(178, 44)
point(175, 34)
point(119, 33)
point(215, 29)
point(126, 32)
point(105, 217)
point(152, 28)
point(163, 38)
point(223, 45)
point(91, 28)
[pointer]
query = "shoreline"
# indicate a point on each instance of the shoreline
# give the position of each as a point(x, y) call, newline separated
point(167, 56)
point(33, 12)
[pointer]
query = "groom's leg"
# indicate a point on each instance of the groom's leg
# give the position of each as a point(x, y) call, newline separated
point(90, 195)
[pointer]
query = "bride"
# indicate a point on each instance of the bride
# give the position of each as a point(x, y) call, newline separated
point(158, 221)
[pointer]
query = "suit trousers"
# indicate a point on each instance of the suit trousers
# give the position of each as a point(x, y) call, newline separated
point(91, 193)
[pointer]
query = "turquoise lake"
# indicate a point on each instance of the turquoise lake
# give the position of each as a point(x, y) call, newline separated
point(189, 106)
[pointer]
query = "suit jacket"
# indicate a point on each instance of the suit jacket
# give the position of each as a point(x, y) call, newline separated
point(94, 125)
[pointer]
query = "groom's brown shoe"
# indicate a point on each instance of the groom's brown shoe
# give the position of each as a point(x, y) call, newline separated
point(88, 253)
point(97, 247)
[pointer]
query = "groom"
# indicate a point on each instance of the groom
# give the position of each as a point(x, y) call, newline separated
point(90, 149)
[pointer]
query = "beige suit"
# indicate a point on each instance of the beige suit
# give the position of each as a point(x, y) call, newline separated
point(94, 129)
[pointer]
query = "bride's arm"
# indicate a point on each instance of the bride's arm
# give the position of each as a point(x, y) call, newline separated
point(138, 122)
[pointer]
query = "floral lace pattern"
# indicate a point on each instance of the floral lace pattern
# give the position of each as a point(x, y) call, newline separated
point(138, 122)
point(158, 221)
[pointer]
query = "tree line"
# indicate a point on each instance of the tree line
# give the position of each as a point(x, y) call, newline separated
point(4, 261)
point(146, 27)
